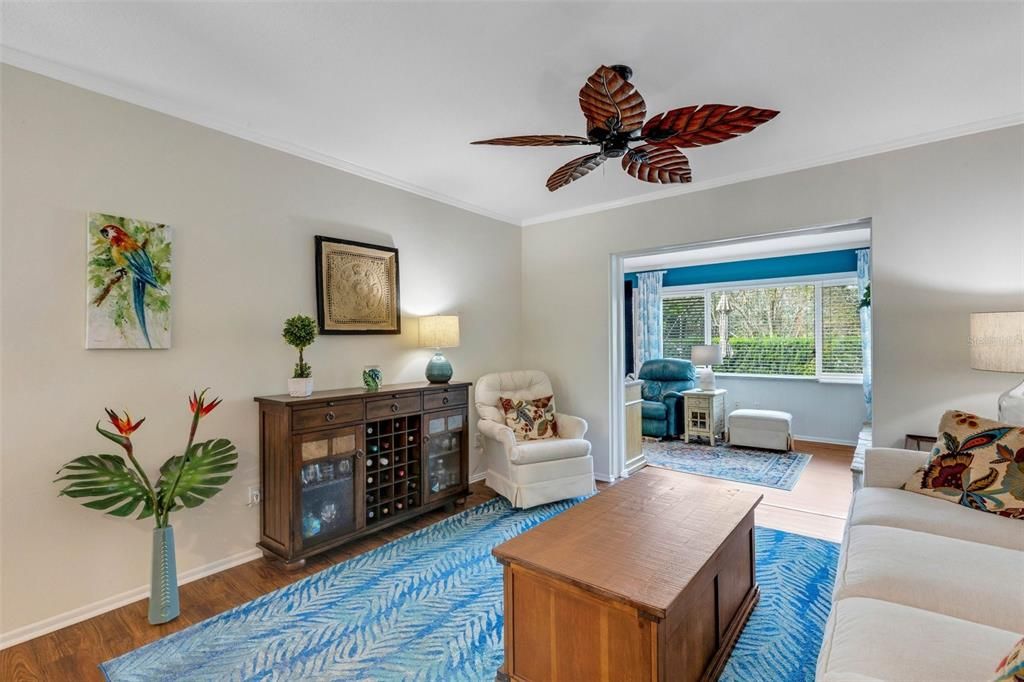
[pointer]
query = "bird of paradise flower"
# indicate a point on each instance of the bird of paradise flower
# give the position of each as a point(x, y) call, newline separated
point(129, 275)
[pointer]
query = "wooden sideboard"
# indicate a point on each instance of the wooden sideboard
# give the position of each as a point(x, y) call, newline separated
point(337, 465)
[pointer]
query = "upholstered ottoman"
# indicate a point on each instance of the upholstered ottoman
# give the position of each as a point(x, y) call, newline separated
point(768, 429)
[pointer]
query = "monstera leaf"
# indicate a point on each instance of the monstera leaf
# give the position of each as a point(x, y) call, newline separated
point(116, 489)
point(207, 468)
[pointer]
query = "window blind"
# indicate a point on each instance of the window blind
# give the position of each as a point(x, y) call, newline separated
point(841, 351)
point(682, 324)
point(771, 330)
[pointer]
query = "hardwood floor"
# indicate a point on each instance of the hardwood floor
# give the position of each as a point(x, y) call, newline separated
point(816, 506)
point(75, 652)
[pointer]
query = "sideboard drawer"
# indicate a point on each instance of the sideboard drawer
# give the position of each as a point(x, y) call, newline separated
point(331, 414)
point(385, 407)
point(435, 400)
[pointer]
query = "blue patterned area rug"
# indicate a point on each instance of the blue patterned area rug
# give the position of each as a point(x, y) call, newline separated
point(429, 607)
point(745, 465)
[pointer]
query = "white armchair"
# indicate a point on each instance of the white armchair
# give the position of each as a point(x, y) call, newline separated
point(532, 472)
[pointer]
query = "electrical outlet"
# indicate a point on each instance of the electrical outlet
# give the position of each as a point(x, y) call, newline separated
point(255, 496)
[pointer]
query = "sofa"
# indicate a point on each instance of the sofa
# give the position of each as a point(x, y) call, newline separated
point(664, 381)
point(925, 589)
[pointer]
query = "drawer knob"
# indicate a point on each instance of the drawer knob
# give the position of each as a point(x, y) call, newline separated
point(329, 416)
point(444, 400)
point(330, 404)
point(394, 407)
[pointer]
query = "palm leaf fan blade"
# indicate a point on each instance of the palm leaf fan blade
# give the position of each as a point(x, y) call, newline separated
point(652, 163)
point(610, 103)
point(536, 141)
point(704, 125)
point(574, 170)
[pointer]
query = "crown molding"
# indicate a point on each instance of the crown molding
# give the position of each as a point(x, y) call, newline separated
point(105, 86)
point(856, 153)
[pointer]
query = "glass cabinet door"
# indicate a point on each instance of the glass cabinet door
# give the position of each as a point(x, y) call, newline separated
point(330, 466)
point(444, 453)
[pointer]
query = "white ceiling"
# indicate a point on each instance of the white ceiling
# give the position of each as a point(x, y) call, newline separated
point(854, 236)
point(395, 91)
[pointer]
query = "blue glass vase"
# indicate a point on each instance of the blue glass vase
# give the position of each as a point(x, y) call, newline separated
point(163, 583)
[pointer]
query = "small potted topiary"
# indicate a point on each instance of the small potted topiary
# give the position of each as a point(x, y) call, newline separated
point(300, 332)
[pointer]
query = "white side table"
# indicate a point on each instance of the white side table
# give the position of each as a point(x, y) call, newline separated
point(704, 414)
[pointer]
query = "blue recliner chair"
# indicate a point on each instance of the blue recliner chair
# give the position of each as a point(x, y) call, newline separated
point(664, 381)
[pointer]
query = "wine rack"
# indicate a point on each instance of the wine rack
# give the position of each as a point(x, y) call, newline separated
point(393, 477)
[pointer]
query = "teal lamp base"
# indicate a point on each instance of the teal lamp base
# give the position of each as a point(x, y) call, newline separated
point(439, 370)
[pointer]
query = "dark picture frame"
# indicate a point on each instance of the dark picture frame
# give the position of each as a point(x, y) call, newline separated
point(338, 268)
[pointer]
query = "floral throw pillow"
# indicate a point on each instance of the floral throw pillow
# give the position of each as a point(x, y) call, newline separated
point(530, 419)
point(976, 462)
point(1011, 668)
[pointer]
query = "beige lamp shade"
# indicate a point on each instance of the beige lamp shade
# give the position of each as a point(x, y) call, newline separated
point(706, 354)
point(997, 341)
point(439, 331)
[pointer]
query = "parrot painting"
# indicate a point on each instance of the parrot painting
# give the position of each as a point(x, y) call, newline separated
point(133, 261)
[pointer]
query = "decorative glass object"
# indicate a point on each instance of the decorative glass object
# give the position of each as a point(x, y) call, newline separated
point(372, 377)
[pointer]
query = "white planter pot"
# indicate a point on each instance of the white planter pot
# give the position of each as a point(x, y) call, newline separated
point(300, 388)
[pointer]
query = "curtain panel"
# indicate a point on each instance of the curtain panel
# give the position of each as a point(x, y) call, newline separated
point(863, 282)
point(648, 317)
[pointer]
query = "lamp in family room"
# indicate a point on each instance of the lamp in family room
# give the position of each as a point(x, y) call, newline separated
point(706, 355)
point(437, 332)
point(997, 345)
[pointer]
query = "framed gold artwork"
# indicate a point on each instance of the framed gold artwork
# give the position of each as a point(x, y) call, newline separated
point(356, 287)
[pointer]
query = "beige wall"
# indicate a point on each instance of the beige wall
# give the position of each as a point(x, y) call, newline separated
point(244, 219)
point(948, 239)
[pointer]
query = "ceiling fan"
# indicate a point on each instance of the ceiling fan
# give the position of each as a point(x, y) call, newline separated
point(615, 114)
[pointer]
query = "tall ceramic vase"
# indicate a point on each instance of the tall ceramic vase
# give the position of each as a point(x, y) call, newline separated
point(163, 584)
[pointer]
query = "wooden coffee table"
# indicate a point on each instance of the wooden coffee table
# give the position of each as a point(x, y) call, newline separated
point(652, 579)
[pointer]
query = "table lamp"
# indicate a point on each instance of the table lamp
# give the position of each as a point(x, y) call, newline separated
point(706, 356)
point(437, 332)
point(997, 345)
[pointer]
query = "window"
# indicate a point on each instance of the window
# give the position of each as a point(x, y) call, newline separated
point(841, 351)
point(771, 330)
point(795, 329)
point(682, 324)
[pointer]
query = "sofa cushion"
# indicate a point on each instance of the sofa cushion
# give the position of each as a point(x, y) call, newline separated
point(902, 509)
point(978, 463)
point(530, 419)
point(869, 639)
point(962, 579)
point(650, 409)
point(548, 450)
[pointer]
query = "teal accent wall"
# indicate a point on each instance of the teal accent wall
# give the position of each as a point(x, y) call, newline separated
point(823, 263)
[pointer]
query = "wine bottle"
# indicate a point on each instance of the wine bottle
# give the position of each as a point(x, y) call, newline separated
point(387, 445)
point(370, 513)
point(369, 480)
point(385, 510)
point(370, 499)
point(401, 473)
point(369, 462)
point(374, 448)
point(412, 484)
point(399, 506)
point(411, 501)
point(369, 429)
point(384, 461)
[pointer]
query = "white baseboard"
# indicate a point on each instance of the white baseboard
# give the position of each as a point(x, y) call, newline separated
point(478, 477)
point(47, 625)
point(605, 478)
point(828, 441)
